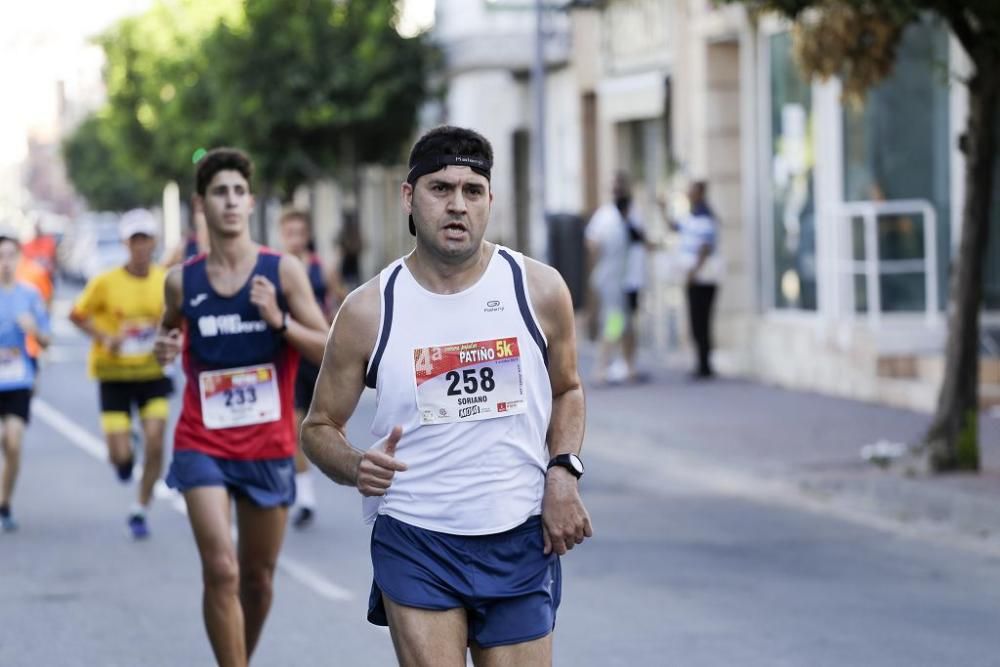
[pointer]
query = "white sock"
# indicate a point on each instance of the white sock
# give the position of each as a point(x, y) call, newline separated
point(137, 510)
point(305, 493)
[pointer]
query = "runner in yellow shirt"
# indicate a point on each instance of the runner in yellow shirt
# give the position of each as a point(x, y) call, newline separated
point(120, 310)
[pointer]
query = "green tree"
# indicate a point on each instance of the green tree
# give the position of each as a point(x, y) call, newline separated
point(314, 87)
point(862, 57)
point(310, 87)
point(100, 170)
point(155, 116)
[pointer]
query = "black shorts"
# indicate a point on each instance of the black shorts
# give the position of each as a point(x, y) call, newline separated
point(121, 396)
point(17, 403)
point(632, 301)
point(305, 384)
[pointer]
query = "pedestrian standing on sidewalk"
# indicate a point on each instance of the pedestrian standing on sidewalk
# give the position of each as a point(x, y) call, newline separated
point(699, 254)
point(22, 314)
point(479, 418)
point(616, 245)
point(295, 240)
point(119, 309)
point(242, 314)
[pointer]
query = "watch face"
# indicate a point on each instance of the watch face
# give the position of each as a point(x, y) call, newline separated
point(577, 464)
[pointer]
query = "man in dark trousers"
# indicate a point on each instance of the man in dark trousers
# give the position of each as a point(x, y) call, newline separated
point(699, 251)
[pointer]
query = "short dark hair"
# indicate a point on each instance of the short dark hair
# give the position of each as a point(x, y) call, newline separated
point(451, 140)
point(294, 214)
point(221, 159)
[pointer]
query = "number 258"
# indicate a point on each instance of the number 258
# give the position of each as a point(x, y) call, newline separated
point(471, 381)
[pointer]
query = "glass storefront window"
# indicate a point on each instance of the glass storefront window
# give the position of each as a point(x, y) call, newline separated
point(792, 154)
point(896, 147)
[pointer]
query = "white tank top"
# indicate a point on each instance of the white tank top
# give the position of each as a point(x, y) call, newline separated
point(465, 375)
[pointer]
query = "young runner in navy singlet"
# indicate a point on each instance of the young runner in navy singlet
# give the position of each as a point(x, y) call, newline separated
point(241, 314)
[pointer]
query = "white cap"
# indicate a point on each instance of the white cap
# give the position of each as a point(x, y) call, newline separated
point(137, 221)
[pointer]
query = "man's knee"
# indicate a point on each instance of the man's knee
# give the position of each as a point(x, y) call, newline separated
point(154, 446)
point(221, 571)
point(257, 580)
point(12, 448)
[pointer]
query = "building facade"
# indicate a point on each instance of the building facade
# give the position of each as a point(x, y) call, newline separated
point(839, 222)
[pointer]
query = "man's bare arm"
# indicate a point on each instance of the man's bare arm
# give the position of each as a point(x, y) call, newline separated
point(85, 324)
point(168, 339)
point(338, 388)
point(554, 307)
point(307, 328)
point(564, 517)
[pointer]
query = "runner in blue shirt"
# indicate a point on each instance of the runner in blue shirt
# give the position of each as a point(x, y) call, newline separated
point(22, 312)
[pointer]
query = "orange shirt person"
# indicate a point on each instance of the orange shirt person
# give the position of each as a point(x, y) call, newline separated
point(33, 274)
point(42, 251)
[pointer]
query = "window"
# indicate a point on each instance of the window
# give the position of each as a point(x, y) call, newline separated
point(793, 206)
point(896, 147)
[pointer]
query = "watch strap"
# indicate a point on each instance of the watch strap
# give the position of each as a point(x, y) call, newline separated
point(566, 461)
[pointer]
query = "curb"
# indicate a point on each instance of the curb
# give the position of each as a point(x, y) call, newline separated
point(921, 503)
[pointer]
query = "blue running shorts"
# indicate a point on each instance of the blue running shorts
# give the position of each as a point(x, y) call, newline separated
point(267, 483)
point(509, 588)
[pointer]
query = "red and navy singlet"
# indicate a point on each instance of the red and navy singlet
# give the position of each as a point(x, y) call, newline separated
point(240, 373)
point(316, 280)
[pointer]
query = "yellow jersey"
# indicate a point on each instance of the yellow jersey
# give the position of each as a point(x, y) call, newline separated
point(130, 307)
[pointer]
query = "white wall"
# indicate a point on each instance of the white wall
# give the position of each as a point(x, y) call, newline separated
point(489, 54)
point(564, 150)
point(492, 103)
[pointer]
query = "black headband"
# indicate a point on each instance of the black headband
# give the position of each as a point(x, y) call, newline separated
point(435, 162)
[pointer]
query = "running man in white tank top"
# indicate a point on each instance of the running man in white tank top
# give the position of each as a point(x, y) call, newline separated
point(472, 481)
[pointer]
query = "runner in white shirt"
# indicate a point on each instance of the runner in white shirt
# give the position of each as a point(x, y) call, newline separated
point(616, 244)
point(479, 420)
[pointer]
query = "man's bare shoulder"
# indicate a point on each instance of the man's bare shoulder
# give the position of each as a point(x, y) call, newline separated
point(290, 266)
point(360, 313)
point(288, 260)
point(545, 284)
point(175, 278)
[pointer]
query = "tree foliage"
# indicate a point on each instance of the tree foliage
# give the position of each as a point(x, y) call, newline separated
point(311, 86)
point(307, 86)
point(100, 169)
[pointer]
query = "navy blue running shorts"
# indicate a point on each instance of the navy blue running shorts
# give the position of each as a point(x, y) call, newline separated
point(16, 403)
point(509, 588)
point(267, 483)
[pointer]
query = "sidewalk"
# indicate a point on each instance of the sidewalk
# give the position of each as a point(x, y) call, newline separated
point(799, 446)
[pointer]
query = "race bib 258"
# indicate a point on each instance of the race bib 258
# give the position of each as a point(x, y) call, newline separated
point(469, 381)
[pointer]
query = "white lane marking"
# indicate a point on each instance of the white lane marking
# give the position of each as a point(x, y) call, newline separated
point(83, 439)
point(96, 447)
point(317, 583)
point(61, 354)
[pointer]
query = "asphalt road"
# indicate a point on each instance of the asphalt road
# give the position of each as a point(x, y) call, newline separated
point(680, 572)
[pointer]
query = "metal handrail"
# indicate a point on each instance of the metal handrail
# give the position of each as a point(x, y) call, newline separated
point(872, 267)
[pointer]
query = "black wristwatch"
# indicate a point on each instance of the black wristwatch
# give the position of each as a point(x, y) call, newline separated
point(284, 323)
point(571, 462)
